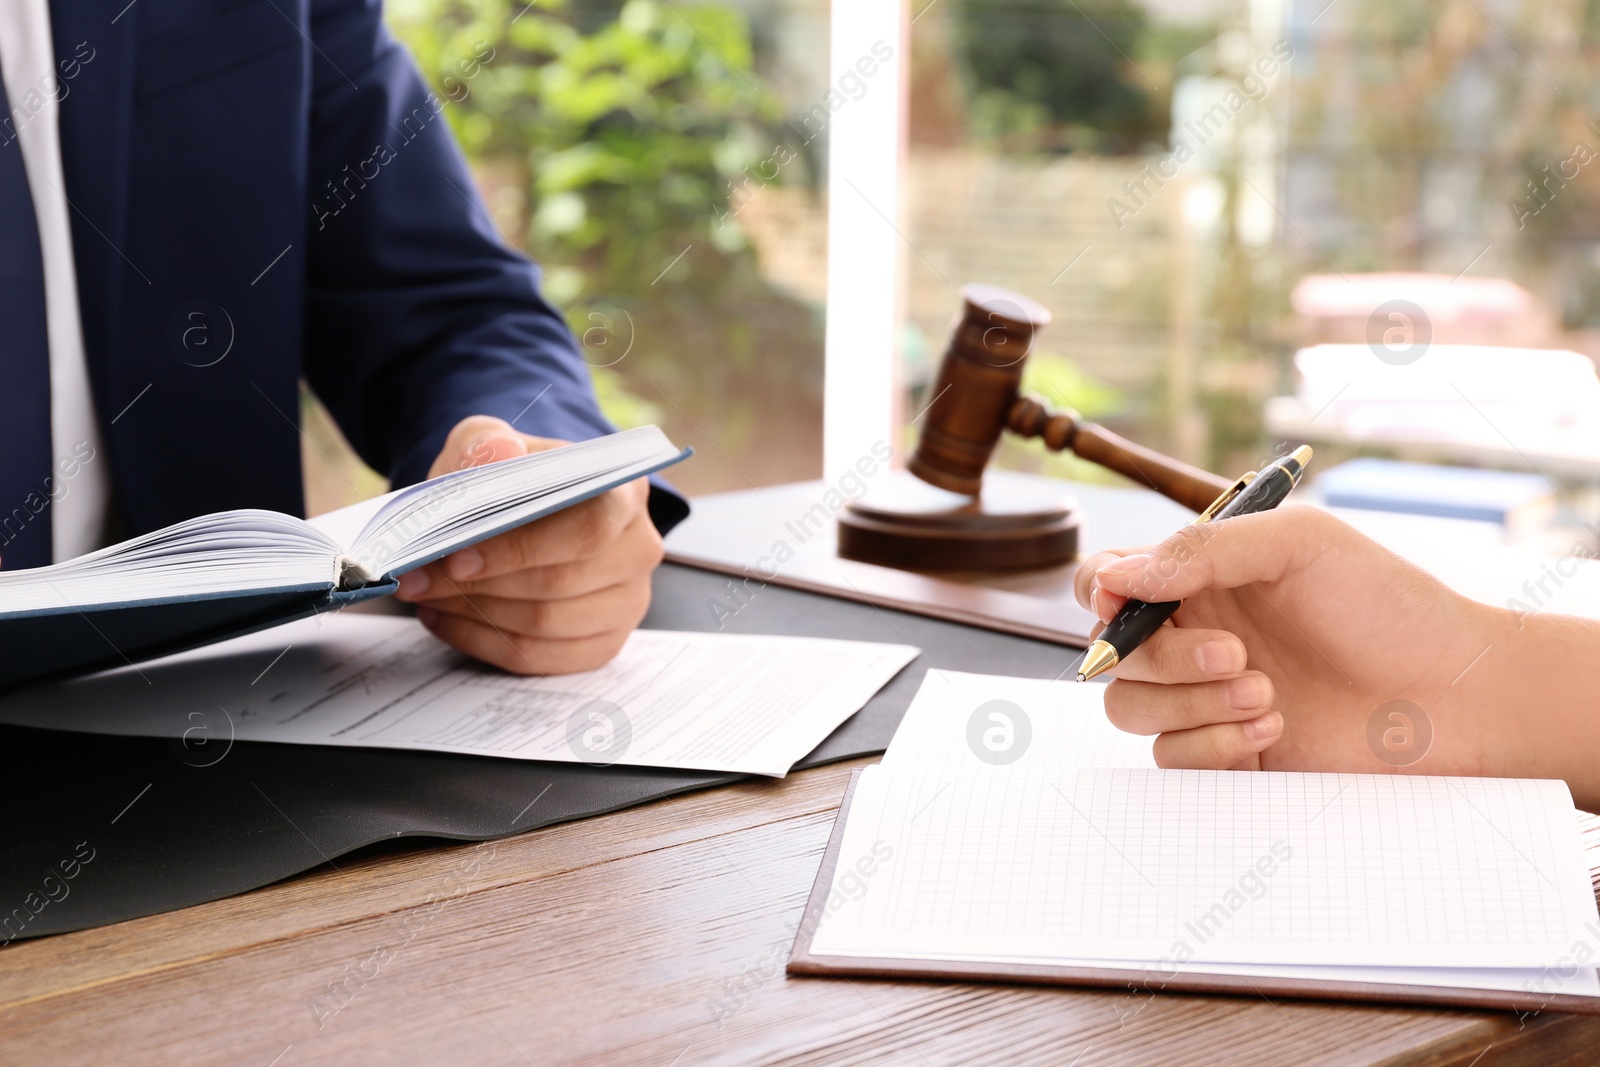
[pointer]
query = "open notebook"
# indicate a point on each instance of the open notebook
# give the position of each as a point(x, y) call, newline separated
point(233, 572)
point(1067, 858)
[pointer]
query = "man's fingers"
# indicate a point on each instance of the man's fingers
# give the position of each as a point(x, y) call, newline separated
point(554, 596)
point(1146, 708)
point(560, 546)
point(574, 533)
point(633, 555)
point(1181, 654)
point(481, 439)
point(524, 655)
point(560, 582)
point(1221, 555)
point(1220, 746)
point(575, 617)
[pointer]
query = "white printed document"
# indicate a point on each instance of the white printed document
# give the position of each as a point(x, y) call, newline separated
point(691, 701)
point(1011, 837)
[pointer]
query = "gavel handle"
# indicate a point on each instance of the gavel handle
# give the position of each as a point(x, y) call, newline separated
point(1064, 430)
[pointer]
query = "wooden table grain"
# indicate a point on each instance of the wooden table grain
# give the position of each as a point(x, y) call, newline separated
point(653, 936)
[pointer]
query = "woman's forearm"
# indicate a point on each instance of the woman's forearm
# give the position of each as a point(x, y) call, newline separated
point(1538, 693)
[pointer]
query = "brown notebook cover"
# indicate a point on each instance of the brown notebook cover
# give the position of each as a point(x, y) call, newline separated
point(803, 962)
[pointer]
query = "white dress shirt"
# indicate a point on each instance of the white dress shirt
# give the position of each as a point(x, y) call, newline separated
point(27, 57)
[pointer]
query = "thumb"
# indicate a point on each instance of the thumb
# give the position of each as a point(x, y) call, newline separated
point(1222, 555)
point(476, 440)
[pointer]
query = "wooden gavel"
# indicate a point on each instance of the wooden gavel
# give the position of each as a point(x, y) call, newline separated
point(976, 398)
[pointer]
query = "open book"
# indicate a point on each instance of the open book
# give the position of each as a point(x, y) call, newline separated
point(1011, 833)
point(233, 572)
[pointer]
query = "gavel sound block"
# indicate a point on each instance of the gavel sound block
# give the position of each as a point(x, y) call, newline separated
point(951, 521)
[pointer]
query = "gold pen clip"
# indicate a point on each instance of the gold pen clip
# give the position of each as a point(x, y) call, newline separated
point(1227, 495)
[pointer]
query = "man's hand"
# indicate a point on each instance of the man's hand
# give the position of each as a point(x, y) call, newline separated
point(1295, 629)
point(555, 596)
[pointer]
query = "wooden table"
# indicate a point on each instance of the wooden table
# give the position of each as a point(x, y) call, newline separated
point(652, 936)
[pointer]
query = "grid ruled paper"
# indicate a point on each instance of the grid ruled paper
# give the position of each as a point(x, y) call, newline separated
point(1211, 866)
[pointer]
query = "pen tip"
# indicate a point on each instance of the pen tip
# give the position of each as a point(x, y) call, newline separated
point(1097, 659)
point(1301, 455)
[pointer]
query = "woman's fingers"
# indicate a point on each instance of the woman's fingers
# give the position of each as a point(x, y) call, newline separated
point(1176, 654)
point(1221, 555)
point(1212, 725)
point(1105, 605)
point(1147, 708)
point(1220, 746)
point(1083, 581)
point(1191, 686)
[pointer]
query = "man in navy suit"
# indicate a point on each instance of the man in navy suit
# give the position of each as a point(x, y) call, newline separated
point(203, 202)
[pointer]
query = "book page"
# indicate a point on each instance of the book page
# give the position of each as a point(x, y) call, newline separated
point(693, 701)
point(245, 551)
point(256, 551)
point(420, 523)
point(1196, 867)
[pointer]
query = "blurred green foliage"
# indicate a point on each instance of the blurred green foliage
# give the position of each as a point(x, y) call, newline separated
point(1069, 75)
point(633, 132)
point(1053, 61)
point(1062, 382)
point(1059, 380)
point(629, 134)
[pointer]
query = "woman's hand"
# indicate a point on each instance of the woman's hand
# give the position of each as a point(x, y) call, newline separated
point(1294, 634)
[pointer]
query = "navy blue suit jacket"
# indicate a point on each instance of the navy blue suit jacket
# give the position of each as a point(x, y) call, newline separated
point(222, 160)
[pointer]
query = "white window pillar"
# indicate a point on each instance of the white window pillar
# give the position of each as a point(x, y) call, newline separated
point(866, 252)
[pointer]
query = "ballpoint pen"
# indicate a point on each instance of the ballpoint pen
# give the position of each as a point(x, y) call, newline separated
point(1138, 619)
